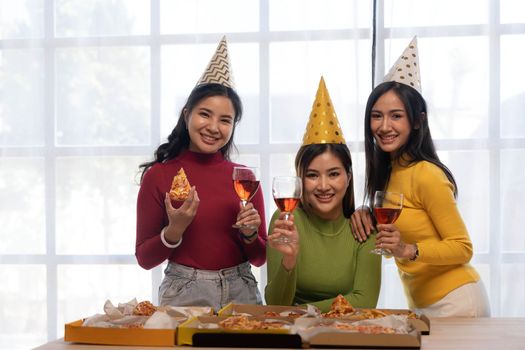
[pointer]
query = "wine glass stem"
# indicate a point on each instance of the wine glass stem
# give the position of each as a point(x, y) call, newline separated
point(286, 216)
point(244, 202)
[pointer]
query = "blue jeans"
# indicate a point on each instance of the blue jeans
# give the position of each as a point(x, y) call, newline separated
point(186, 286)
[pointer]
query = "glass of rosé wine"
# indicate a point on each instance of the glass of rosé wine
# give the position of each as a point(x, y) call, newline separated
point(287, 192)
point(246, 183)
point(387, 208)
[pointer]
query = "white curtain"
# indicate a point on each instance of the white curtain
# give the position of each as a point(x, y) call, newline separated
point(88, 89)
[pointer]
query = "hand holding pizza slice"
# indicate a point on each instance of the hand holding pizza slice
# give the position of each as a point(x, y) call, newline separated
point(180, 215)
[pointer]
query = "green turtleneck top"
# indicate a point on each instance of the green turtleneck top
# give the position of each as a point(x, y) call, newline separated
point(330, 262)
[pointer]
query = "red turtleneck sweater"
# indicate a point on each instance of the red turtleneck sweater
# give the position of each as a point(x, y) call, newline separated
point(210, 243)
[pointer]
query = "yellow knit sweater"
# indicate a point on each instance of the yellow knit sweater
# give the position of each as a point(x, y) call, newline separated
point(431, 219)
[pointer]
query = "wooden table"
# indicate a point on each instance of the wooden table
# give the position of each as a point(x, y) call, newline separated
point(446, 334)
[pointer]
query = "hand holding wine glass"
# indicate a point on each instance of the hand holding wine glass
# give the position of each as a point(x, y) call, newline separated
point(287, 192)
point(284, 238)
point(387, 208)
point(246, 183)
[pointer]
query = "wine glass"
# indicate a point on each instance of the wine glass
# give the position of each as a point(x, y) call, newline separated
point(287, 192)
point(387, 208)
point(246, 184)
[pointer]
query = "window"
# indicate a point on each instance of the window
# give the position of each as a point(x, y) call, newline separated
point(89, 89)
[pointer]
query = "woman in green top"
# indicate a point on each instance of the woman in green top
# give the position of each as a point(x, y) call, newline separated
point(322, 258)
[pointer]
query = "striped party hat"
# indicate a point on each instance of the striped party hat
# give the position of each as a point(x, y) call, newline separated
point(218, 70)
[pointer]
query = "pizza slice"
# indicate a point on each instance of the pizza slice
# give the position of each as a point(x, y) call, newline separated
point(341, 305)
point(144, 308)
point(340, 308)
point(242, 322)
point(271, 314)
point(180, 186)
point(368, 329)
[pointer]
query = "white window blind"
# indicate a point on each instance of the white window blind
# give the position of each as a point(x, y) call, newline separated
point(88, 89)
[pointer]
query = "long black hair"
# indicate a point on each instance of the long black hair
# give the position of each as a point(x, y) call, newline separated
point(179, 139)
point(418, 147)
point(307, 153)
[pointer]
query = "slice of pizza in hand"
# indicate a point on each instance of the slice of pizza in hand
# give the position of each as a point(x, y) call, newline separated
point(180, 186)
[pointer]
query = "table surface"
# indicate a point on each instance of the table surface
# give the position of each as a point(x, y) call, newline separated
point(446, 333)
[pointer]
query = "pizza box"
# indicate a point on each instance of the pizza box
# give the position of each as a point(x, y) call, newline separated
point(325, 337)
point(75, 332)
point(259, 310)
point(192, 333)
point(421, 323)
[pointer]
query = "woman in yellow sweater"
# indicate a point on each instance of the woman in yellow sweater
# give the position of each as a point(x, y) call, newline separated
point(429, 240)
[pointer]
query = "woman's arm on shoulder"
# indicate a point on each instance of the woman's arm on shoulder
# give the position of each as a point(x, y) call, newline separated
point(362, 223)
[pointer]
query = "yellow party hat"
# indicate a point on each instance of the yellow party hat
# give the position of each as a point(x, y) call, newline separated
point(406, 68)
point(218, 70)
point(323, 125)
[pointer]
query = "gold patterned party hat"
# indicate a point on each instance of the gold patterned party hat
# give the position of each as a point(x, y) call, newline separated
point(218, 70)
point(406, 68)
point(323, 125)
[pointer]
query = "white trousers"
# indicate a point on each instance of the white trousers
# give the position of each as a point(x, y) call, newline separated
point(469, 300)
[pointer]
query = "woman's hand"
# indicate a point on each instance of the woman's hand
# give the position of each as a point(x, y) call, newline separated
point(389, 237)
point(362, 223)
point(285, 239)
point(248, 216)
point(180, 218)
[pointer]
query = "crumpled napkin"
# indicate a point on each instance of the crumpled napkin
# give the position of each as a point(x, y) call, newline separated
point(121, 316)
point(161, 320)
point(187, 311)
point(123, 309)
point(399, 323)
point(311, 311)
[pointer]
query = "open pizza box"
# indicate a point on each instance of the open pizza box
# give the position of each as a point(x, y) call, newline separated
point(75, 332)
point(318, 332)
point(114, 328)
point(205, 331)
point(420, 322)
point(268, 310)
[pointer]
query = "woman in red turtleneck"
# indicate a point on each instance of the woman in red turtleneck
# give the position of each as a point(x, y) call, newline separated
point(209, 261)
